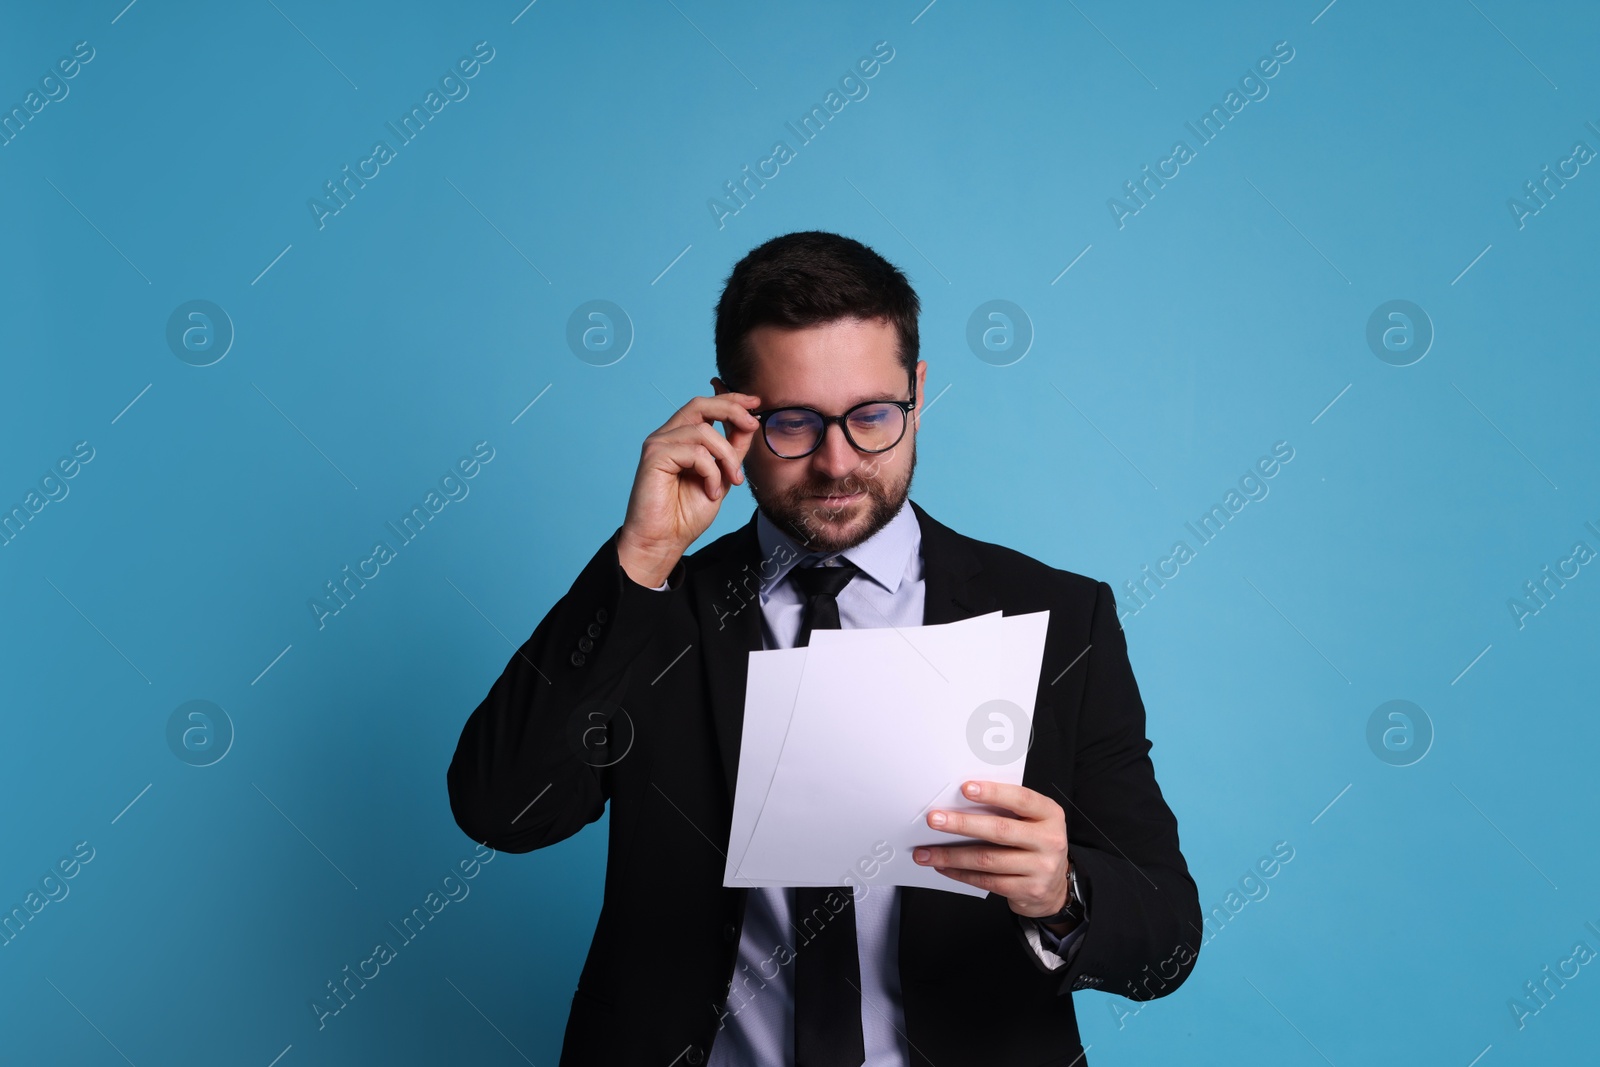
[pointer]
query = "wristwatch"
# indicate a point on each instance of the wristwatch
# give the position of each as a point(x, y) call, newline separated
point(1073, 912)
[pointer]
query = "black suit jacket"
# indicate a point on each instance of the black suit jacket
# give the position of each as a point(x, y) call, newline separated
point(634, 696)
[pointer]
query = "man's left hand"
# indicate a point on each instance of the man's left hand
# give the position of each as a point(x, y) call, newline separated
point(1027, 860)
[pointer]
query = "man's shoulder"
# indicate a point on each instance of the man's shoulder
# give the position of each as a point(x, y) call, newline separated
point(1009, 564)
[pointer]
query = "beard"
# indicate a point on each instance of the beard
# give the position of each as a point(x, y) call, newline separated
point(819, 528)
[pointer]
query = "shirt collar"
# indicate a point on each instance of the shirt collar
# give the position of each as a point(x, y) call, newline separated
point(883, 557)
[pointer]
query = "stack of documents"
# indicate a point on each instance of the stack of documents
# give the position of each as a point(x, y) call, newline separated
point(850, 741)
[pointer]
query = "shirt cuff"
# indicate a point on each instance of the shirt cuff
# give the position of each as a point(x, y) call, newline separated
point(1054, 952)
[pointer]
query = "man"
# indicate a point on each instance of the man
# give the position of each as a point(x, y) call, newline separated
point(631, 691)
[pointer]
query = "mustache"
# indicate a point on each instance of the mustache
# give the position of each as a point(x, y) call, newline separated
point(851, 483)
point(843, 489)
point(804, 499)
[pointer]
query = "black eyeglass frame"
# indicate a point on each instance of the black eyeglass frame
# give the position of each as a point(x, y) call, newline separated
point(905, 407)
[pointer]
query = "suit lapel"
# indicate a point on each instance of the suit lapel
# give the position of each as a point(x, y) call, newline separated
point(951, 591)
point(728, 605)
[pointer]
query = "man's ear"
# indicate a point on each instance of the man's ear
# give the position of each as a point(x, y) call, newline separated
point(716, 384)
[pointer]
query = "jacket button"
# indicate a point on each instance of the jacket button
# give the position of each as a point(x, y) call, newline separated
point(601, 616)
point(729, 932)
point(578, 659)
point(695, 1054)
point(585, 645)
point(594, 629)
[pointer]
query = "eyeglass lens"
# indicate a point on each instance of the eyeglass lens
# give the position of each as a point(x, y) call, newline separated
point(794, 432)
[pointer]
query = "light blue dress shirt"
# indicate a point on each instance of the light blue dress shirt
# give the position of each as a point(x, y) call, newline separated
point(758, 1019)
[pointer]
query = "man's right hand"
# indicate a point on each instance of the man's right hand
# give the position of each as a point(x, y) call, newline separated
point(684, 472)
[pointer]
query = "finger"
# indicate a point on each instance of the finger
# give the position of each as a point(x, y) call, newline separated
point(1000, 829)
point(1028, 803)
point(675, 456)
point(674, 453)
point(732, 409)
point(985, 858)
point(705, 465)
point(741, 431)
point(992, 882)
point(742, 438)
point(681, 441)
point(723, 449)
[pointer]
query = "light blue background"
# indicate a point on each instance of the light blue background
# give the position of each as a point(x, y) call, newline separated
point(1227, 315)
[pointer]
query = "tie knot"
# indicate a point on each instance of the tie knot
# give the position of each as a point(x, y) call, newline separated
point(816, 578)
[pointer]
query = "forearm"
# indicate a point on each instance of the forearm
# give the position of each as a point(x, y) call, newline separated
point(1141, 903)
point(528, 770)
point(1143, 928)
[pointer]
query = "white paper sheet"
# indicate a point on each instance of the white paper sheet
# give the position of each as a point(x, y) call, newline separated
point(849, 742)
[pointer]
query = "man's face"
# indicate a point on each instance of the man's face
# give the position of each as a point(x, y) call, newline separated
point(836, 497)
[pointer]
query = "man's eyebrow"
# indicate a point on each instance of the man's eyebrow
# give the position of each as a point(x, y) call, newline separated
point(859, 398)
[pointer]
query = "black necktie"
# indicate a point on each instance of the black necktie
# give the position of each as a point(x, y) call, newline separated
point(827, 970)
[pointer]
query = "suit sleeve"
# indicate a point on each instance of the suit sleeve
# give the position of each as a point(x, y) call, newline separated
point(1049, 952)
point(530, 768)
point(1143, 928)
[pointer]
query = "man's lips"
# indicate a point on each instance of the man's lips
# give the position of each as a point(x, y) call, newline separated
point(837, 500)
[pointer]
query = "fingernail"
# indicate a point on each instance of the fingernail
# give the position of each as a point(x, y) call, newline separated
point(936, 819)
point(972, 789)
point(921, 855)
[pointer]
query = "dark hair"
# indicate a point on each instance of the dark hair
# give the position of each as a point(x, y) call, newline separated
point(806, 279)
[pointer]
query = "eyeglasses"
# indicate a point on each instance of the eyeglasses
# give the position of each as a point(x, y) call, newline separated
point(871, 426)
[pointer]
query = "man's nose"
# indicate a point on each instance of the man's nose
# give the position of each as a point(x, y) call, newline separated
point(835, 456)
